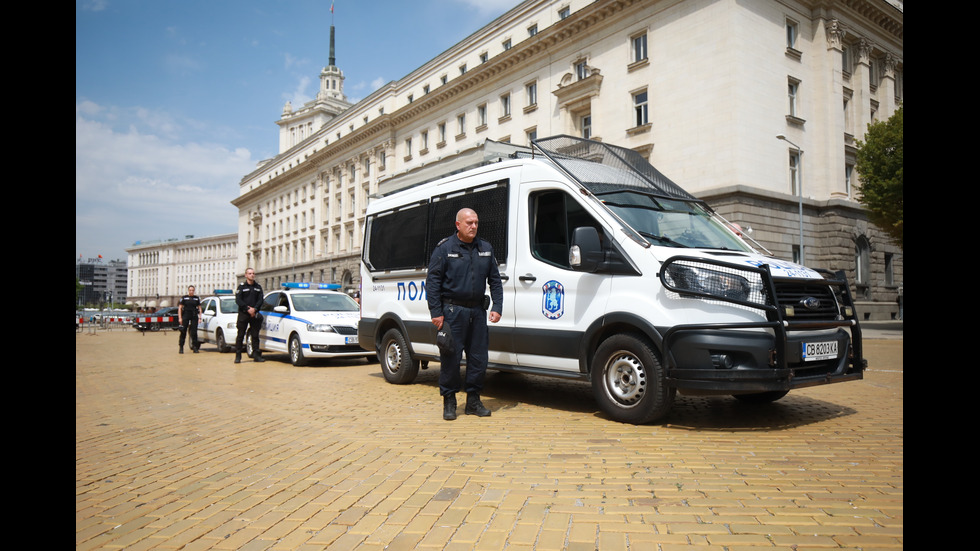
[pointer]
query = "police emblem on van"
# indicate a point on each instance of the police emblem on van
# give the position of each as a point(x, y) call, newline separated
point(552, 300)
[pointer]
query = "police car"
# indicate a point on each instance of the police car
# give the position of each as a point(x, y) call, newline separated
point(310, 320)
point(219, 318)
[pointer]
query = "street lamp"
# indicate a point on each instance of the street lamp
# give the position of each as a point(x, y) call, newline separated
point(799, 189)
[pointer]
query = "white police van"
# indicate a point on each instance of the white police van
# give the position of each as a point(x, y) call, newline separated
point(309, 320)
point(219, 318)
point(612, 274)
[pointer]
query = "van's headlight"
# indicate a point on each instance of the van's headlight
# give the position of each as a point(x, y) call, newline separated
point(320, 327)
point(706, 281)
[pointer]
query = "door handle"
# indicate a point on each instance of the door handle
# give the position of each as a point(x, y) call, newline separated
point(504, 278)
point(528, 278)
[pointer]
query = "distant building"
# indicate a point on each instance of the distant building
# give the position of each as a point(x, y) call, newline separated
point(161, 271)
point(103, 282)
point(701, 89)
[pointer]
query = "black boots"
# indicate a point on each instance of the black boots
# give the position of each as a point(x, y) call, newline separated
point(475, 407)
point(449, 407)
point(238, 357)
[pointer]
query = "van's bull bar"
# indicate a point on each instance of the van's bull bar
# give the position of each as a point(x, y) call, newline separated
point(722, 358)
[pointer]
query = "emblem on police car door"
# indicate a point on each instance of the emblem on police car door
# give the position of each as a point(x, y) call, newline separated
point(552, 300)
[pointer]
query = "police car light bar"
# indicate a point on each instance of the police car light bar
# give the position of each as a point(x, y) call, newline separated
point(302, 285)
point(223, 292)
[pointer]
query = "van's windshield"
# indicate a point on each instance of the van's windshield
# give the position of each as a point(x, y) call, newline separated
point(671, 222)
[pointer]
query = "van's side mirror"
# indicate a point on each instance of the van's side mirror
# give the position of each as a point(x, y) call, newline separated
point(585, 253)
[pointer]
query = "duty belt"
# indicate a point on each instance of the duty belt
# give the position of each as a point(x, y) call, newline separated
point(464, 303)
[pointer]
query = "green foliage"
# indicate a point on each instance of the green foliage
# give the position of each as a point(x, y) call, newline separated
point(879, 164)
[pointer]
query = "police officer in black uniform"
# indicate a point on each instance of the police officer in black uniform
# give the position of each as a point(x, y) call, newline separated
point(460, 269)
point(188, 314)
point(249, 298)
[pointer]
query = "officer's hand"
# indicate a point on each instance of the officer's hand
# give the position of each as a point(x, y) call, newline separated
point(494, 317)
point(438, 321)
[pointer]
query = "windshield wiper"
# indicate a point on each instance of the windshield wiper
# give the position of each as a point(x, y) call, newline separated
point(663, 239)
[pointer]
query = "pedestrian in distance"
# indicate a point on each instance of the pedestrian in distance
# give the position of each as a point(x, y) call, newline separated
point(249, 299)
point(460, 269)
point(188, 315)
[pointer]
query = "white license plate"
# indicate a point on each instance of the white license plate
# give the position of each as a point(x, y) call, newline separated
point(813, 351)
point(353, 340)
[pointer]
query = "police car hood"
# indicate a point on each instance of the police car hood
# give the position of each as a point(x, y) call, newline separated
point(778, 268)
point(330, 318)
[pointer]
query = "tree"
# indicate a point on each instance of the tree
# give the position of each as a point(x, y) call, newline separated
point(879, 165)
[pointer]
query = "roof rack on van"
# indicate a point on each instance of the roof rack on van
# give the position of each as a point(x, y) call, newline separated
point(603, 168)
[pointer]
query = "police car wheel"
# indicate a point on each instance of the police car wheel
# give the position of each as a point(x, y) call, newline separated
point(397, 363)
point(629, 382)
point(296, 351)
point(219, 339)
point(249, 349)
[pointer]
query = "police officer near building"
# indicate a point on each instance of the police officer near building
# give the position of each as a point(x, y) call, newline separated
point(249, 298)
point(460, 269)
point(188, 314)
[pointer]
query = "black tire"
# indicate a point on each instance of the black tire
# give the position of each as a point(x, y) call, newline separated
point(155, 326)
point(219, 339)
point(761, 397)
point(628, 381)
point(397, 363)
point(296, 351)
point(249, 348)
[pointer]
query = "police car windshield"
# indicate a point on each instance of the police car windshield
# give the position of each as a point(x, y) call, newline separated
point(323, 302)
point(228, 304)
point(671, 222)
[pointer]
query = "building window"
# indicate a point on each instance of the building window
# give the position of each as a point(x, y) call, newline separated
point(794, 172)
point(460, 125)
point(531, 134)
point(507, 44)
point(425, 89)
point(639, 47)
point(793, 96)
point(586, 122)
point(640, 109)
point(581, 69)
point(424, 146)
point(505, 106)
point(848, 174)
point(408, 148)
point(792, 34)
point(532, 30)
point(531, 92)
point(381, 160)
point(441, 128)
point(564, 12)
point(481, 115)
point(484, 57)
point(462, 69)
point(443, 80)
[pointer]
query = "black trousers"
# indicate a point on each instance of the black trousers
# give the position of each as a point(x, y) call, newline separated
point(248, 325)
point(189, 324)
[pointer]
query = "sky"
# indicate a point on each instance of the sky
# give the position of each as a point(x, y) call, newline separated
point(176, 100)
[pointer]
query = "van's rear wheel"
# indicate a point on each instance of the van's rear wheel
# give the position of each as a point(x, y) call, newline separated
point(629, 382)
point(397, 364)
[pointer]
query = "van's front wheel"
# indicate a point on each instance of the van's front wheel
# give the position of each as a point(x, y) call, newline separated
point(628, 381)
point(397, 364)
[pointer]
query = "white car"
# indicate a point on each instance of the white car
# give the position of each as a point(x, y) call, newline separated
point(310, 321)
point(218, 322)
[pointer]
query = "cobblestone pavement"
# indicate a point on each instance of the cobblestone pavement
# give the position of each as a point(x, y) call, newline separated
point(193, 452)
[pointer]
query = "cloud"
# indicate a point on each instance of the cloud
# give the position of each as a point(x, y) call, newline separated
point(137, 177)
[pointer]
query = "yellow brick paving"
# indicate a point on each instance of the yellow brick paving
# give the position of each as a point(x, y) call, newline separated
point(193, 452)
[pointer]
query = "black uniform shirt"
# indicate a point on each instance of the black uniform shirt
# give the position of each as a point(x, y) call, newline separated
point(462, 271)
point(191, 305)
point(248, 295)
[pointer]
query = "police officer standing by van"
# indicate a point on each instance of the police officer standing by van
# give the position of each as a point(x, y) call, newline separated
point(249, 298)
point(188, 314)
point(460, 269)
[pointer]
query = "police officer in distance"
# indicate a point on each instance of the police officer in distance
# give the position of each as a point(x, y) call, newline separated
point(188, 314)
point(460, 269)
point(249, 298)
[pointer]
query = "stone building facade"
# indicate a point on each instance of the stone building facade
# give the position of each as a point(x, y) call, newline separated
point(756, 107)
